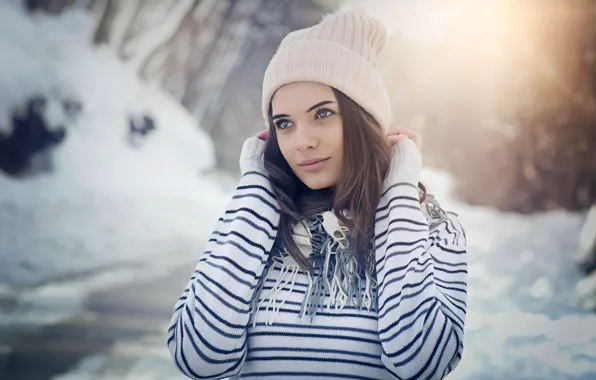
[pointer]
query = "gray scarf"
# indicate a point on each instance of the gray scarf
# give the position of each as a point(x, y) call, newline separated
point(325, 241)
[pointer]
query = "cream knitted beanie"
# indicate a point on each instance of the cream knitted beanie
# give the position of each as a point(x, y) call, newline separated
point(341, 52)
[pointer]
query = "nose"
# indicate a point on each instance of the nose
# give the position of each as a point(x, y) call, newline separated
point(305, 138)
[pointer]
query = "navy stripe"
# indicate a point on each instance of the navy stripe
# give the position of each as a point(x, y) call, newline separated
point(429, 276)
point(312, 336)
point(453, 299)
point(243, 249)
point(229, 272)
point(236, 266)
point(314, 350)
point(393, 204)
point(207, 344)
point(225, 290)
point(396, 229)
point(259, 197)
point(294, 359)
point(384, 257)
point(252, 224)
point(400, 220)
point(252, 213)
point(433, 354)
point(256, 187)
point(408, 269)
point(396, 185)
point(217, 329)
point(215, 315)
point(316, 375)
point(404, 316)
point(455, 251)
point(319, 327)
point(406, 347)
point(221, 300)
point(450, 264)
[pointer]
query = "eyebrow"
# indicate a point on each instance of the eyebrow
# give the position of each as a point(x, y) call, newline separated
point(319, 104)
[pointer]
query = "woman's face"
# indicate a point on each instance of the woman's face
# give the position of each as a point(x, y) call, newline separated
point(309, 132)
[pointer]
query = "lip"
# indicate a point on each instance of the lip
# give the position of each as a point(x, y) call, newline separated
point(313, 163)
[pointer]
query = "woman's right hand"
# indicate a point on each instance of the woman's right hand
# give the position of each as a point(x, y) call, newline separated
point(251, 156)
point(263, 135)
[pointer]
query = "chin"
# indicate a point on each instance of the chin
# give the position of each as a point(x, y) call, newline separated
point(318, 183)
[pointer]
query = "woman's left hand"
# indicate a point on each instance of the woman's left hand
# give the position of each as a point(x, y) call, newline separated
point(406, 158)
point(399, 133)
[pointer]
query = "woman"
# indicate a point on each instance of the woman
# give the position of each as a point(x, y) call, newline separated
point(330, 261)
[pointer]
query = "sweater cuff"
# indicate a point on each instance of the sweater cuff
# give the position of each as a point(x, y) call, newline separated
point(251, 156)
point(406, 164)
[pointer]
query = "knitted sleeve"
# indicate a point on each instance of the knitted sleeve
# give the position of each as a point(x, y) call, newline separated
point(422, 280)
point(207, 334)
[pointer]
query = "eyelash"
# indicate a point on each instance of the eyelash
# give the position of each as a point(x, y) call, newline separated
point(317, 116)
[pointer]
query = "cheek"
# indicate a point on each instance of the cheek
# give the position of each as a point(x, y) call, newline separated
point(339, 147)
point(338, 140)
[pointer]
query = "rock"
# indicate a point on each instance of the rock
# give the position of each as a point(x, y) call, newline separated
point(140, 129)
point(30, 136)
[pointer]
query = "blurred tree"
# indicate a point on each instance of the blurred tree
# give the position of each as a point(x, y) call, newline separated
point(102, 32)
point(553, 156)
point(507, 103)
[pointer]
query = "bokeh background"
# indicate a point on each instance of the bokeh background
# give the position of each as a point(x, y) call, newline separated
point(121, 123)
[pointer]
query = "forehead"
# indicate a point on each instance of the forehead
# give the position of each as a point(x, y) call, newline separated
point(299, 97)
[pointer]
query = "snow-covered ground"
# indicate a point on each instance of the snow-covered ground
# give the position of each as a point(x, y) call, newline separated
point(522, 322)
point(110, 214)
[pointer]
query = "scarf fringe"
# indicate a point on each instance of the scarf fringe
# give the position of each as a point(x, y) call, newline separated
point(335, 274)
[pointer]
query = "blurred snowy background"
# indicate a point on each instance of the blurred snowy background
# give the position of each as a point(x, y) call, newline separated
point(120, 128)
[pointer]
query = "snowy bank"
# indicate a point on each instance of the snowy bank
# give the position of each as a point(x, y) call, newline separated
point(109, 210)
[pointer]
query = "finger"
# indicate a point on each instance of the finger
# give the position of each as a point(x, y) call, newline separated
point(393, 131)
point(263, 134)
point(416, 137)
point(408, 132)
point(393, 139)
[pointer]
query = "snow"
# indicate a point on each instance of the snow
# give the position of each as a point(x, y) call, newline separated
point(109, 212)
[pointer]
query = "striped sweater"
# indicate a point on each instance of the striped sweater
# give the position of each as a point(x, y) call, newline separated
point(240, 318)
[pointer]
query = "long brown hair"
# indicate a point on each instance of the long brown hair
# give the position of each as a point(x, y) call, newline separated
point(366, 163)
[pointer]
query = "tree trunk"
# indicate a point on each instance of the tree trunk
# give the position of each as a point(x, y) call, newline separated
point(206, 86)
point(153, 61)
point(132, 31)
point(102, 33)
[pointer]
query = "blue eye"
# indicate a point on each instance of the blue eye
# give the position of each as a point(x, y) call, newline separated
point(283, 124)
point(323, 113)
